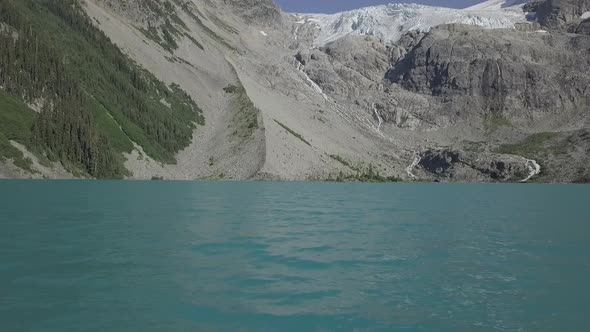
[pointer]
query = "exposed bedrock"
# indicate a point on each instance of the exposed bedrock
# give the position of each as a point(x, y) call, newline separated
point(258, 12)
point(557, 14)
point(450, 165)
point(501, 72)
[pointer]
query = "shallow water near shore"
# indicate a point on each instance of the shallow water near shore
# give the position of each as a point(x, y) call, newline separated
point(265, 256)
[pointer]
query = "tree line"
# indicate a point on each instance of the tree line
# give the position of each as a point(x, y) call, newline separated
point(51, 52)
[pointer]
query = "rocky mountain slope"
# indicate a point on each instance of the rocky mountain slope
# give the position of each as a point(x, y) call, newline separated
point(496, 92)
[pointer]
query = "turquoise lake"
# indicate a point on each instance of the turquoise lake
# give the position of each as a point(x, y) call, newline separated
point(257, 256)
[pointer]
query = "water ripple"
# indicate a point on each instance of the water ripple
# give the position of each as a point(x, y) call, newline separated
point(293, 257)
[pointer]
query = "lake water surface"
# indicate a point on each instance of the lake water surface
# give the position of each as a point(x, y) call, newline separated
point(174, 256)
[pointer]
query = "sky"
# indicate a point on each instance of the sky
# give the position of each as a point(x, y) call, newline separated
point(333, 6)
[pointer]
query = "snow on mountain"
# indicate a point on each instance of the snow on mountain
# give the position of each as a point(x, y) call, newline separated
point(390, 22)
point(497, 4)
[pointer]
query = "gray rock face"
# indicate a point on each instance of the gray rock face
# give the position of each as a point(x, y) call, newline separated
point(348, 66)
point(558, 13)
point(260, 12)
point(142, 12)
point(500, 72)
point(449, 165)
point(582, 28)
point(455, 72)
point(352, 71)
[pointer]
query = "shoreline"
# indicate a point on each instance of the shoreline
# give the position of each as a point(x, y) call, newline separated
point(12, 179)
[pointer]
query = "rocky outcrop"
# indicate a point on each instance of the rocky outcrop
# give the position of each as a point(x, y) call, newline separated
point(583, 27)
point(454, 165)
point(434, 79)
point(558, 14)
point(352, 70)
point(500, 72)
point(258, 12)
point(142, 12)
point(347, 66)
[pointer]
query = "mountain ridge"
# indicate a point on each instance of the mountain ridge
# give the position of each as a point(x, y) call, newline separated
point(431, 102)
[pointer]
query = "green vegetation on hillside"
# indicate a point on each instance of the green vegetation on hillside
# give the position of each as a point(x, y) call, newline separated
point(343, 162)
point(190, 9)
point(96, 100)
point(491, 123)
point(369, 174)
point(530, 146)
point(224, 25)
point(246, 114)
point(16, 119)
point(7, 151)
point(292, 132)
point(361, 173)
point(164, 25)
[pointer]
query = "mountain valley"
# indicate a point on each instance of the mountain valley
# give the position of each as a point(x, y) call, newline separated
point(240, 90)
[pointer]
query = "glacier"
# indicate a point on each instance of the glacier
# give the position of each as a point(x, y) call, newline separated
point(389, 22)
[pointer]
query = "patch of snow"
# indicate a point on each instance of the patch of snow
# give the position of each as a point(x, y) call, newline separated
point(541, 31)
point(585, 15)
point(390, 22)
point(498, 4)
point(263, 33)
